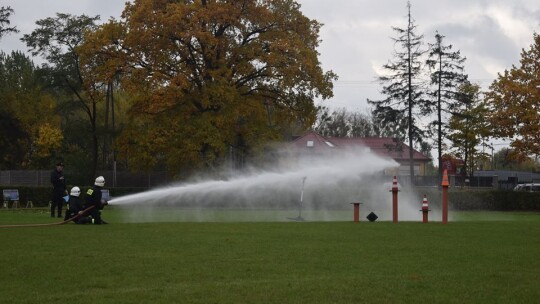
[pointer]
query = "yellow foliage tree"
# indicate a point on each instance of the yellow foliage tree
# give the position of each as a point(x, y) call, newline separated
point(48, 138)
point(514, 100)
point(32, 108)
point(207, 77)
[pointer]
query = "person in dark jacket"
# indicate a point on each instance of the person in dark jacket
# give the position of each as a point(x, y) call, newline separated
point(59, 189)
point(94, 199)
point(75, 206)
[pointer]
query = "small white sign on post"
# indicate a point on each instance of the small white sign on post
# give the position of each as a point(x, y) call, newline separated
point(10, 195)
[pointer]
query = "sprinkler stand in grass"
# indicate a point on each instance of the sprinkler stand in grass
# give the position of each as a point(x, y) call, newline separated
point(299, 217)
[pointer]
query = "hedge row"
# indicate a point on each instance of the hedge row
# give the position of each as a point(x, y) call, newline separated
point(41, 196)
point(459, 199)
point(491, 200)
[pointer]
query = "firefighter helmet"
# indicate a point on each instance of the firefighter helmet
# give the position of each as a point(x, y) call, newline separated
point(100, 181)
point(75, 191)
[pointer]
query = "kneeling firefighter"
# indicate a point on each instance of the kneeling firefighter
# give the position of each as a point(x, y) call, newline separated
point(75, 206)
point(93, 198)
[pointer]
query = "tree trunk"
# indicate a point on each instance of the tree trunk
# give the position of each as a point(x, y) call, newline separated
point(439, 120)
point(411, 163)
point(94, 141)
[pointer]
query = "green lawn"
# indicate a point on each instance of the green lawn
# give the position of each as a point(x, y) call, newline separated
point(479, 258)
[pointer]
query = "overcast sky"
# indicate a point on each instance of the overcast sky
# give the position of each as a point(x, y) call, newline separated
point(356, 34)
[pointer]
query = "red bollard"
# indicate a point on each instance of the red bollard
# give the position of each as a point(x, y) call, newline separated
point(394, 200)
point(356, 211)
point(445, 186)
point(425, 210)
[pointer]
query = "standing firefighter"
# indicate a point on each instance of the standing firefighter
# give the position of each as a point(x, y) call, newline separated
point(93, 198)
point(59, 189)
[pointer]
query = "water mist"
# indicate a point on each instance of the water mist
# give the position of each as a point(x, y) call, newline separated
point(324, 185)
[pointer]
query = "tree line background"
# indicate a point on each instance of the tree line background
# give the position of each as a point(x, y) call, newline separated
point(191, 86)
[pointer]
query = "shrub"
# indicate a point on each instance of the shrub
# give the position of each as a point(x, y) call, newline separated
point(41, 196)
point(491, 200)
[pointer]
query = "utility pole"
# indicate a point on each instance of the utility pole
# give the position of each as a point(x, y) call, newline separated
point(113, 134)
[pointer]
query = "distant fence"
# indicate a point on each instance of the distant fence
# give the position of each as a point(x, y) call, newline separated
point(25, 178)
point(512, 176)
point(123, 179)
point(480, 181)
point(503, 180)
point(476, 181)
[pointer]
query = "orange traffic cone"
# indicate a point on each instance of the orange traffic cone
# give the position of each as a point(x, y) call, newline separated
point(445, 179)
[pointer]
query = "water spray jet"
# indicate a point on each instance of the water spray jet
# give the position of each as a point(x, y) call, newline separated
point(335, 180)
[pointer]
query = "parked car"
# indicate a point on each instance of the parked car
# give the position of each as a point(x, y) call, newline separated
point(527, 187)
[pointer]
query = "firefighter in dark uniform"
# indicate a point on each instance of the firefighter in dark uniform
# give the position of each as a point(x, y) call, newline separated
point(59, 189)
point(75, 206)
point(93, 198)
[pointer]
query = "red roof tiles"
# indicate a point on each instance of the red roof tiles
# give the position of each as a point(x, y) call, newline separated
point(384, 146)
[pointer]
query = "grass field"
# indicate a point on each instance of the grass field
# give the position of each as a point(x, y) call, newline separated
point(487, 257)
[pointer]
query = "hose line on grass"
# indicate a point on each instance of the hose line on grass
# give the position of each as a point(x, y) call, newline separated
point(51, 224)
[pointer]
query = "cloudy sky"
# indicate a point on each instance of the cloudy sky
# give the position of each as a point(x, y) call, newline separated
point(356, 36)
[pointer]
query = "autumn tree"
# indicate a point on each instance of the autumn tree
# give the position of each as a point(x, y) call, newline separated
point(506, 159)
point(208, 77)
point(403, 89)
point(447, 76)
point(56, 40)
point(514, 103)
point(469, 131)
point(10, 129)
point(31, 140)
point(12, 152)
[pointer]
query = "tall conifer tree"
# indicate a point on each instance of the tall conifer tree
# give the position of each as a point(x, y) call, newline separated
point(447, 75)
point(403, 88)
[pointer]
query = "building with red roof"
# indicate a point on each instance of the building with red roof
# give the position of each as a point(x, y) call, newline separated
point(385, 147)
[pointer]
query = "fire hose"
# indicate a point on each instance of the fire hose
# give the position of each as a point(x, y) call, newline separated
point(78, 215)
